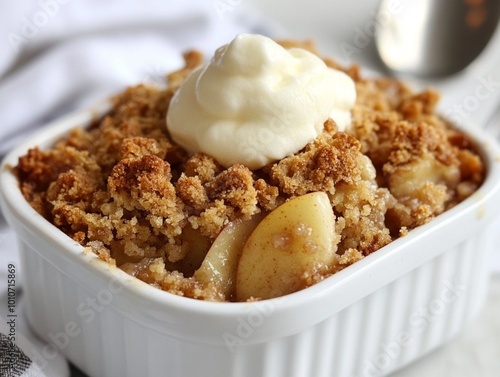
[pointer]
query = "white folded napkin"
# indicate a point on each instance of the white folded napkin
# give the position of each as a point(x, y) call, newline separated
point(61, 55)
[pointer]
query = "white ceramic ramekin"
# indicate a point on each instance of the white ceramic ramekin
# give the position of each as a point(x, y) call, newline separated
point(370, 319)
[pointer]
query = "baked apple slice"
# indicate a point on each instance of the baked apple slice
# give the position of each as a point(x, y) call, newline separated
point(220, 263)
point(296, 238)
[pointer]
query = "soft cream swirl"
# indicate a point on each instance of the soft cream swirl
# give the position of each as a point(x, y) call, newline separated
point(256, 102)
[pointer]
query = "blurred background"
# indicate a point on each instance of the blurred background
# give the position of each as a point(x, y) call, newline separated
point(60, 55)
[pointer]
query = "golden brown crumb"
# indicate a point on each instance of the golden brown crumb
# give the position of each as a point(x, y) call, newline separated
point(127, 192)
point(192, 59)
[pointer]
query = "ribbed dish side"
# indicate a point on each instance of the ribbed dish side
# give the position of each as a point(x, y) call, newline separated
point(379, 334)
point(394, 325)
point(386, 330)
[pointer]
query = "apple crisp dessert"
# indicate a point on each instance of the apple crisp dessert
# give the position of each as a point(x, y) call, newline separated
point(188, 224)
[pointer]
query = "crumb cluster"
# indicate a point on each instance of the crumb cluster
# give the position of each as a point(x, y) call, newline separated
point(126, 191)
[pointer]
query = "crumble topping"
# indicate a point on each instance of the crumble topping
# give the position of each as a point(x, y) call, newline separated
point(123, 189)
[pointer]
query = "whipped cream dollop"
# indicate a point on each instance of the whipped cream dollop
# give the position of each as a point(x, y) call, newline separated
point(256, 102)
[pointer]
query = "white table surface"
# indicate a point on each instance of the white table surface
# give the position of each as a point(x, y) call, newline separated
point(476, 352)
